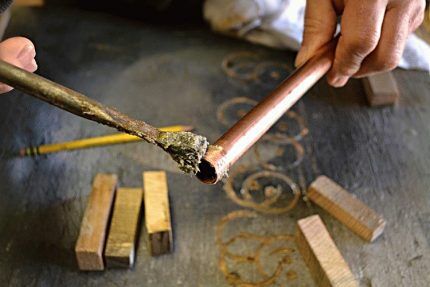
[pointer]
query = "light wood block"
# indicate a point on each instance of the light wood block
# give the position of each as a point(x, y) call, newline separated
point(91, 241)
point(381, 89)
point(326, 264)
point(121, 243)
point(346, 208)
point(157, 212)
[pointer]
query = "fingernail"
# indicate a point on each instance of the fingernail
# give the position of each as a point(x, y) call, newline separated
point(26, 52)
point(338, 81)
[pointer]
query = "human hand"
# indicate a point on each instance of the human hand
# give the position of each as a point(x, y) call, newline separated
point(18, 51)
point(373, 34)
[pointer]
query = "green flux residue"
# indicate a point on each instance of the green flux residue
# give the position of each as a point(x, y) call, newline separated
point(186, 148)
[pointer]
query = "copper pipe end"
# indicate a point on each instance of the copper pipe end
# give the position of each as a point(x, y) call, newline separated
point(212, 167)
point(244, 133)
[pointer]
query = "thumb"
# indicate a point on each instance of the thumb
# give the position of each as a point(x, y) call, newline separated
point(20, 52)
point(319, 29)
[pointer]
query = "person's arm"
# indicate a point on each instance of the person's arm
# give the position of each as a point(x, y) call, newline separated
point(373, 34)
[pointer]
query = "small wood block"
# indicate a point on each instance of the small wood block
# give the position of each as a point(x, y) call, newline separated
point(157, 212)
point(121, 243)
point(91, 241)
point(346, 208)
point(381, 89)
point(326, 264)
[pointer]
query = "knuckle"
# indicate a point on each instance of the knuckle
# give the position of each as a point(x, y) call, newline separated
point(414, 10)
point(388, 61)
point(417, 22)
point(344, 66)
point(420, 6)
point(362, 43)
point(313, 25)
point(411, 5)
point(418, 14)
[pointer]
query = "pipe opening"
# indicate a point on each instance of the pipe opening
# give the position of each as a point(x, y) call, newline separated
point(207, 172)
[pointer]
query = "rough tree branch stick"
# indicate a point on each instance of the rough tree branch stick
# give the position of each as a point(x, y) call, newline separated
point(185, 148)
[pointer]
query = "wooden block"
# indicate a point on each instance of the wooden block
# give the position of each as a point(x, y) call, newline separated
point(91, 241)
point(346, 208)
point(381, 89)
point(326, 264)
point(157, 212)
point(121, 242)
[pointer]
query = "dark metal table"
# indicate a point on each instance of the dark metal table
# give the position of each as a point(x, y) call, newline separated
point(175, 76)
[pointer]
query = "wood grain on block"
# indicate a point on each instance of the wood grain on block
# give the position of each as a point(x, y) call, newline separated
point(381, 89)
point(121, 243)
point(345, 207)
point(325, 262)
point(91, 240)
point(157, 212)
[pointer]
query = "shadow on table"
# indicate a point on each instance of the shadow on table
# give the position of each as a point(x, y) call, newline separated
point(43, 236)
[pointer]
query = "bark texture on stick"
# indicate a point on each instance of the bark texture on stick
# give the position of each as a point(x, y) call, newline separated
point(185, 148)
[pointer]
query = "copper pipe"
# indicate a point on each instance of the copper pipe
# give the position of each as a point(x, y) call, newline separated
point(249, 129)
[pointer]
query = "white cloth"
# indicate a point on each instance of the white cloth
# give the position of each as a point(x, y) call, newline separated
point(279, 24)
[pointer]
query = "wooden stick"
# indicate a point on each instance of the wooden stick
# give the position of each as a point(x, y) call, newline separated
point(325, 262)
point(157, 212)
point(74, 102)
point(120, 246)
point(346, 208)
point(381, 89)
point(91, 241)
point(186, 148)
